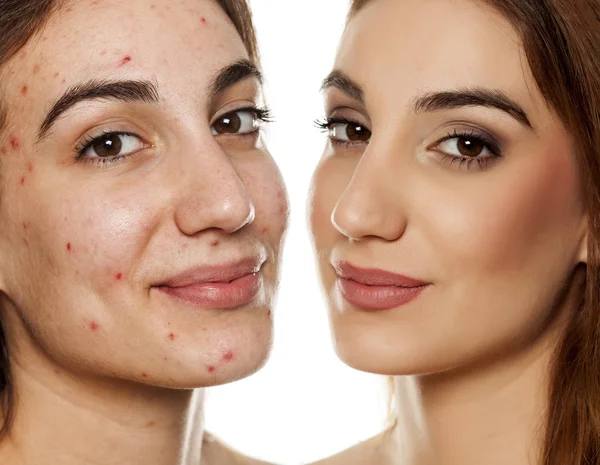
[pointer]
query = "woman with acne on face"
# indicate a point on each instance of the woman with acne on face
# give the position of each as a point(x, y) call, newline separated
point(455, 218)
point(143, 221)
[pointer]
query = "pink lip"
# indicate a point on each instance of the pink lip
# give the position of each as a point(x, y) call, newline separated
point(375, 289)
point(217, 287)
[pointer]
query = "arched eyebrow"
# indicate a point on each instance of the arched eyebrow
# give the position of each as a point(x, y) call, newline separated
point(140, 91)
point(438, 100)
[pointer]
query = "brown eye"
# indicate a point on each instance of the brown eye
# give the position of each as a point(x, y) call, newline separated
point(238, 122)
point(112, 145)
point(107, 146)
point(350, 132)
point(470, 147)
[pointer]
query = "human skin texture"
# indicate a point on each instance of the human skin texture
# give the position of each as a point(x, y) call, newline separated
point(91, 244)
point(446, 165)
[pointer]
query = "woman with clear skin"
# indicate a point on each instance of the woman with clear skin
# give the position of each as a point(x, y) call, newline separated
point(142, 225)
point(454, 214)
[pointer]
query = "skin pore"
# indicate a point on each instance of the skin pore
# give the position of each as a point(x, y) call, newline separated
point(446, 165)
point(103, 358)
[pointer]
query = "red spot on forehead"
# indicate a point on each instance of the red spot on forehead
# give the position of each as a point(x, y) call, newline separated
point(94, 326)
point(172, 336)
point(203, 20)
point(24, 90)
point(36, 69)
point(69, 246)
point(119, 276)
point(211, 368)
point(125, 60)
point(228, 356)
point(15, 142)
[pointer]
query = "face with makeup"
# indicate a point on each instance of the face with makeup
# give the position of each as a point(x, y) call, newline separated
point(447, 210)
point(142, 215)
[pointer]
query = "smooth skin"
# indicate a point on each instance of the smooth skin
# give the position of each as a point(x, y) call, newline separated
point(104, 362)
point(484, 204)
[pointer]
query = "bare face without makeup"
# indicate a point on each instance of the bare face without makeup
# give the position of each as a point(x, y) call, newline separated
point(142, 217)
point(447, 210)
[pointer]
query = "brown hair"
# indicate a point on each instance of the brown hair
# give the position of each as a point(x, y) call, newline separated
point(20, 20)
point(561, 39)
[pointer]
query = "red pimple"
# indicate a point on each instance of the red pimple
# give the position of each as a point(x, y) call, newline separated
point(24, 90)
point(30, 167)
point(150, 424)
point(228, 356)
point(94, 326)
point(63, 80)
point(15, 142)
point(265, 230)
point(172, 336)
point(36, 69)
point(119, 276)
point(144, 374)
point(125, 60)
point(203, 20)
point(269, 313)
point(22, 180)
point(215, 243)
point(69, 246)
point(3, 150)
point(25, 225)
point(211, 368)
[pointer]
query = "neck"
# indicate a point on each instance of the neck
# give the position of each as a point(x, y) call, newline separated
point(68, 420)
point(489, 414)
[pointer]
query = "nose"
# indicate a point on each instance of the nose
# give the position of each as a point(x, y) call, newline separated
point(371, 204)
point(212, 194)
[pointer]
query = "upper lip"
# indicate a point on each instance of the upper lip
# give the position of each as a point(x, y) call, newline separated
point(218, 273)
point(375, 276)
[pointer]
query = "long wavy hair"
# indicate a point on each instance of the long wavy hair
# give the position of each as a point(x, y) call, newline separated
point(20, 21)
point(561, 39)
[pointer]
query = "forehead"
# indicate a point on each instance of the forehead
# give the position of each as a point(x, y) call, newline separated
point(412, 45)
point(110, 39)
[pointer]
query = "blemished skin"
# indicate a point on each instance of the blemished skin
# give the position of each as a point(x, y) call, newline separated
point(103, 359)
point(483, 206)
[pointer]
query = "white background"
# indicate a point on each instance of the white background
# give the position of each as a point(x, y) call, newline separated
point(304, 404)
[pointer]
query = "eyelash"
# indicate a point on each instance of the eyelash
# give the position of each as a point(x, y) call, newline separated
point(261, 113)
point(450, 160)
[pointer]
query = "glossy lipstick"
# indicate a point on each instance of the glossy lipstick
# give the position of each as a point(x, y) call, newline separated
point(375, 289)
point(217, 287)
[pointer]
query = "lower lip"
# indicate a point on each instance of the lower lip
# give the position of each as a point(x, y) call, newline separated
point(377, 298)
point(230, 295)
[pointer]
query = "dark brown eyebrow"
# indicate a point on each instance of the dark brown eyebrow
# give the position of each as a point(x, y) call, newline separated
point(231, 75)
point(341, 81)
point(478, 96)
point(140, 91)
point(126, 91)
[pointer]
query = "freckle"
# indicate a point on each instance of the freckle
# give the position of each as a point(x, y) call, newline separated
point(215, 243)
point(172, 336)
point(56, 371)
point(228, 356)
point(119, 276)
point(36, 69)
point(69, 10)
point(211, 369)
point(144, 374)
point(150, 424)
point(25, 225)
point(94, 326)
point(22, 180)
point(153, 6)
point(69, 246)
point(125, 60)
point(15, 142)
point(203, 328)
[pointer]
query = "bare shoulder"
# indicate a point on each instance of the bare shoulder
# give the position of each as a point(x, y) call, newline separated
point(215, 452)
point(368, 452)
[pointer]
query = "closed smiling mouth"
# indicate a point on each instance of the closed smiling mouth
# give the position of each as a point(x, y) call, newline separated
point(376, 289)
